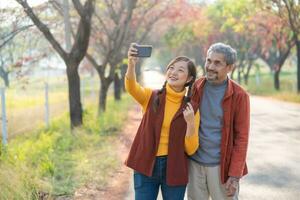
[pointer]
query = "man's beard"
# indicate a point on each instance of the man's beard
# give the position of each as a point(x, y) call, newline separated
point(212, 77)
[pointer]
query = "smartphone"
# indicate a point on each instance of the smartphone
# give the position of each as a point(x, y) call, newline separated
point(143, 50)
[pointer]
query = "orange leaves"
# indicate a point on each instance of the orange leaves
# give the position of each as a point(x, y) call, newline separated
point(27, 60)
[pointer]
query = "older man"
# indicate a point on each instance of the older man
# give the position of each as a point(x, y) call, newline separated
point(220, 161)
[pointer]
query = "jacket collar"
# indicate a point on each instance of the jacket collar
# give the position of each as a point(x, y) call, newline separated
point(229, 90)
point(198, 90)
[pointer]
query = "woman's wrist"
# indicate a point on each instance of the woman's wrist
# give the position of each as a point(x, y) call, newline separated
point(191, 123)
point(190, 133)
point(131, 63)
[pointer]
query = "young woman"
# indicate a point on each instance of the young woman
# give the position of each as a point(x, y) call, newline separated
point(167, 133)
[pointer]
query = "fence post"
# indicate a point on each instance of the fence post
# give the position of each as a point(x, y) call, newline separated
point(4, 125)
point(46, 105)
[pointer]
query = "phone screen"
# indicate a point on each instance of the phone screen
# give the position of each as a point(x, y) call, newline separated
point(144, 50)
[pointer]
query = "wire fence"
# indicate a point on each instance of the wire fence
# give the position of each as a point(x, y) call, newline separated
point(28, 104)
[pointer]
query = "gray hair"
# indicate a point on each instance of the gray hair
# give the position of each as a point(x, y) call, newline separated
point(228, 52)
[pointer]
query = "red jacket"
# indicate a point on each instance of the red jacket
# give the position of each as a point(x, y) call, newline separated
point(143, 151)
point(235, 130)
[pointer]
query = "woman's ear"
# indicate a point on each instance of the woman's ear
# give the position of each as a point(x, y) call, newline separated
point(189, 79)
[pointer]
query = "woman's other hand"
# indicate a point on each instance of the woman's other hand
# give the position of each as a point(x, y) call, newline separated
point(189, 116)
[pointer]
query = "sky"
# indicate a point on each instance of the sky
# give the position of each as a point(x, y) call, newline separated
point(13, 3)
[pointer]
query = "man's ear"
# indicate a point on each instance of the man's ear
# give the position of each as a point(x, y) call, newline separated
point(231, 67)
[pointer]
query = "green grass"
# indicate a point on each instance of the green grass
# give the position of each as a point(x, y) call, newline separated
point(55, 161)
point(287, 90)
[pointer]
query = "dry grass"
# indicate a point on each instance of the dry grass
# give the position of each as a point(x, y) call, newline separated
point(55, 162)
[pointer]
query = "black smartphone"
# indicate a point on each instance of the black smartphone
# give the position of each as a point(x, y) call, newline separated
point(143, 50)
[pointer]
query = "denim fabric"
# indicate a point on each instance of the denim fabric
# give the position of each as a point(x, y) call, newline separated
point(146, 188)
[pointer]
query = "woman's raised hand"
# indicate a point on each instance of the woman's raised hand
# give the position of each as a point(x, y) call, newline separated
point(132, 52)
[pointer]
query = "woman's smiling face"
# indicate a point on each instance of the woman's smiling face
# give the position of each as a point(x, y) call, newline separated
point(177, 75)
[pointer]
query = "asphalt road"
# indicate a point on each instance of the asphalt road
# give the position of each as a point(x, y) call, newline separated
point(274, 151)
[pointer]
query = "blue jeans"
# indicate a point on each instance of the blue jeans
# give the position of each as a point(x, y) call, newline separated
point(146, 188)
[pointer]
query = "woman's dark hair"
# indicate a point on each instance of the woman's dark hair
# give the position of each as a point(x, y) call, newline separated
point(192, 72)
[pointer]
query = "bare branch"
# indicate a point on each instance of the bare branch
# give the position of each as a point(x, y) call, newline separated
point(43, 28)
point(12, 34)
point(112, 11)
point(103, 25)
point(120, 12)
point(82, 36)
point(57, 6)
point(149, 27)
point(290, 15)
point(124, 27)
point(92, 60)
point(80, 9)
point(142, 19)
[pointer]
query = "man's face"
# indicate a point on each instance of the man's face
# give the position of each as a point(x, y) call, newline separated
point(216, 68)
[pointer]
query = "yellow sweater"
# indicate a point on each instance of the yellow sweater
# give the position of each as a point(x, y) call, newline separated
point(173, 101)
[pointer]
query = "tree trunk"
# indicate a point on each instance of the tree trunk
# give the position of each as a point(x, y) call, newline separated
point(68, 27)
point(117, 87)
point(4, 76)
point(6, 80)
point(298, 65)
point(239, 75)
point(78, 51)
point(123, 73)
point(103, 95)
point(283, 56)
point(246, 78)
point(276, 80)
point(74, 95)
point(246, 75)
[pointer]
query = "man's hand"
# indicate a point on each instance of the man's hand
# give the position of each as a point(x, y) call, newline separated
point(231, 186)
